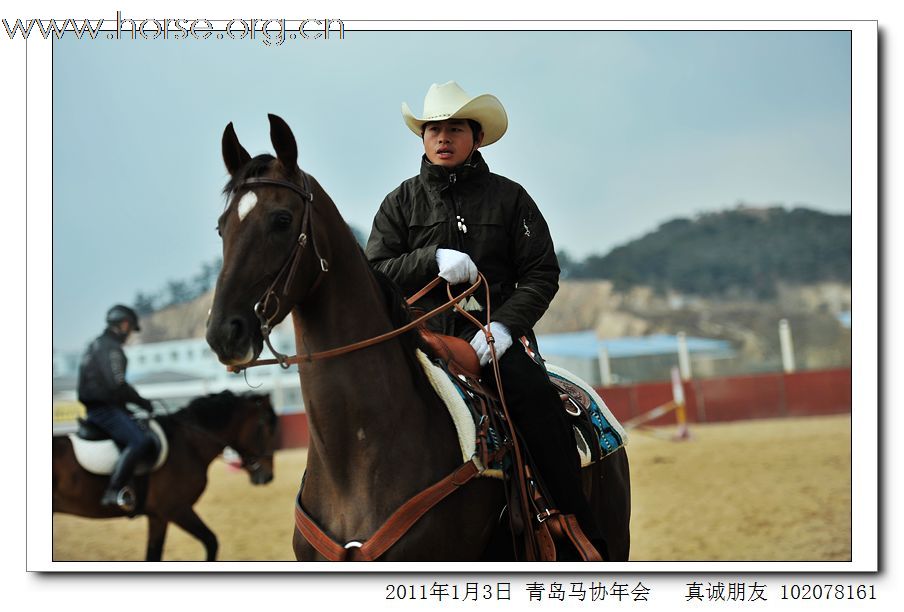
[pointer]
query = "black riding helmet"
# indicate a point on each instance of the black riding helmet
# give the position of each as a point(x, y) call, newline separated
point(120, 313)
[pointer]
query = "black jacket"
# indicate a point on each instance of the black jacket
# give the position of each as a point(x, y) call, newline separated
point(506, 237)
point(102, 375)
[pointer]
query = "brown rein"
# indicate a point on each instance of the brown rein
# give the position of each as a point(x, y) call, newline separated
point(342, 350)
point(530, 542)
point(289, 269)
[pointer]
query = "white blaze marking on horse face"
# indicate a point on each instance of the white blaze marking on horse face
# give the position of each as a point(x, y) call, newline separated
point(361, 435)
point(246, 204)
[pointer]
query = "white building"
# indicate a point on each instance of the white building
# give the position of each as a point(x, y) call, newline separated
point(176, 371)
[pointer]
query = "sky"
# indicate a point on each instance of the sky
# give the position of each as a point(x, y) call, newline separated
point(612, 133)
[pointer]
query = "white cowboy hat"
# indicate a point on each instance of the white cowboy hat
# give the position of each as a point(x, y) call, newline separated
point(450, 101)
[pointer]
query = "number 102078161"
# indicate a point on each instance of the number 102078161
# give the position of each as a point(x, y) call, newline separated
point(829, 591)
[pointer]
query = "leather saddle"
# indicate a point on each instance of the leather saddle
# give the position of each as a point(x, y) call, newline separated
point(597, 432)
point(459, 355)
point(89, 431)
point(97, 452)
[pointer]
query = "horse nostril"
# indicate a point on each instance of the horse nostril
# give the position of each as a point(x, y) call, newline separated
point(236, 329)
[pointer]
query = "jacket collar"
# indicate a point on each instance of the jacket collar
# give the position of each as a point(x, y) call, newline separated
point(439, 177)
point(114, 335)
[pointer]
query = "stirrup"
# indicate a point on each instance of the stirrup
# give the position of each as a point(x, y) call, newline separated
point(124, 499)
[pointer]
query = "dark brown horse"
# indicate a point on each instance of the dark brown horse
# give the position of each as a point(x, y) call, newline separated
point(379, 434)
point(196, 435)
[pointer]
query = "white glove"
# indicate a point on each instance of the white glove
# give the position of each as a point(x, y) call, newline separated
point(502, 337)
point(455, 266)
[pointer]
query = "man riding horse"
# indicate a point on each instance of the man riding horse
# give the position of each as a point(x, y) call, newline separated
point(455, 218)
point(103, 389)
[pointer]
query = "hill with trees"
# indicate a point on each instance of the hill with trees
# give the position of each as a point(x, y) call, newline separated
point(743, 252)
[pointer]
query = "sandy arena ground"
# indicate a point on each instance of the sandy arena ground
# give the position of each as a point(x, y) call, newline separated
point(777, 490)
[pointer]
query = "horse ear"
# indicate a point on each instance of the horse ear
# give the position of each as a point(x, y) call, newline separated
point(283, 142)
point(234, 154)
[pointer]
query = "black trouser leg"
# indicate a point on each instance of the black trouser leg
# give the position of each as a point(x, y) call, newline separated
point(135, 443)
point(125, 466)
point(537, 413)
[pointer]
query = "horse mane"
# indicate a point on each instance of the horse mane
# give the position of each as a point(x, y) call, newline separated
point(254, 168)
point(400, 315)
point(396, 308)
point(212, 411)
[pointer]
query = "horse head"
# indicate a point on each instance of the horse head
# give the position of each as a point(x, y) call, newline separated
point(270, 257)
point(257, 437)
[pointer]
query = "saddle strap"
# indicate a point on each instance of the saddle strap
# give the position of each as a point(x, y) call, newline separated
point(567, 525)
point(545, 544)
point(392, 530)
point(553, 525)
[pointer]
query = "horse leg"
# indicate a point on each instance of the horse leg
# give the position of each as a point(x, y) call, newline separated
point(156, 535)
point(190, 522)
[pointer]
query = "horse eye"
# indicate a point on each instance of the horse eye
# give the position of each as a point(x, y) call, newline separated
point(282, 219)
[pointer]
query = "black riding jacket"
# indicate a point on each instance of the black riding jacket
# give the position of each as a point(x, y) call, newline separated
point(102, 374)
point(487, 216)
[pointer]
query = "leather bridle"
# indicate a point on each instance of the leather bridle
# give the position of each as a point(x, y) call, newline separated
point(290, 266)
point(253, 462)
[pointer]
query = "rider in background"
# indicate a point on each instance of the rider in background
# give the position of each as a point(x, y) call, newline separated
point(455, 218)
point(103, 389)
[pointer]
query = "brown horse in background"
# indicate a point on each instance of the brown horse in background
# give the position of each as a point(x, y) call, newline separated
point(196, 435)
point(379, 433)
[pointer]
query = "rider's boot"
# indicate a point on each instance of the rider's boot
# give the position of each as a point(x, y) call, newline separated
point(118, 492)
